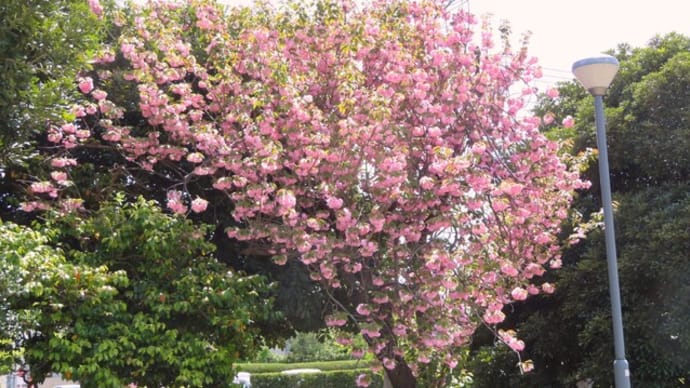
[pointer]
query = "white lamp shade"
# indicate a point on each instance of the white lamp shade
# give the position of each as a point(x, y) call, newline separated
point(596, 73)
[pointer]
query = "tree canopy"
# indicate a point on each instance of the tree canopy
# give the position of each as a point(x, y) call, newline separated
point(379, 146)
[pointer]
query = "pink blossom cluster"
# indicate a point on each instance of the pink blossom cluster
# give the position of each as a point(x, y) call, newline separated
point(509, 338)
point(381, 146)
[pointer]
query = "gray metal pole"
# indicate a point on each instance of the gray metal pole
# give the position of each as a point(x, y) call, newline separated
point(620, 365)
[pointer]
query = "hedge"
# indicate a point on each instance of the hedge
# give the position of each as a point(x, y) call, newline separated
point(330, 379)
point(261, 367)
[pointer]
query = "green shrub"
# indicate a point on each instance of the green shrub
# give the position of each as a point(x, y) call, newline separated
point(315, 347)
point(260, 367)
point(330, 379)
point(266, 354)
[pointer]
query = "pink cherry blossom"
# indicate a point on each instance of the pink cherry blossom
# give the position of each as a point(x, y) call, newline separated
point(519, 293)
point(552, 92)
point(195, 157)
point(99, 94)
point(96, 8)
point(63, 162)
point(377, 223)
point(426, 183)
point(399, 330)
point(286, 199)
point(69, 128)
point(394, 77)
point(42, 187)
point(434, 132)
point(510, 339)
point(388, 363)
point(334, 203)
point(363, 309)
point(222, 183)
point(370, 331)
point(71, 204)
point(509, 270)
point(176, 202)
point(82, 133)
point(86, 84)
point(58, 176)
point(32, 206)
point(54, 137)
point(517, 345)
point(511, 188)
point(380, 299)
point(568, 122)
point(199, 205)
point(363, 380)
point(555, 263)
point(335, 321)
point(494, 317)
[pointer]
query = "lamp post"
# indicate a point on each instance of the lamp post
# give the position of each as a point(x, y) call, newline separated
point(596, 74)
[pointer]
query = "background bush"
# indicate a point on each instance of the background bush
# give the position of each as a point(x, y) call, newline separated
point(315, 346)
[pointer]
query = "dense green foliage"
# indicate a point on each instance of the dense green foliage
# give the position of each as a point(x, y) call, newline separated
point(42, 293)
point(568, 334)
point(44, 45)
point(320, 345)
point(309, 347)
point(128, 294)
point(7, 355)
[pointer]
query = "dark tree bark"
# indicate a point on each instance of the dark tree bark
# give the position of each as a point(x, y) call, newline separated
point(401, 376)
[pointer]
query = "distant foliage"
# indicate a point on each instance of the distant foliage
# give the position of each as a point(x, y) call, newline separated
point(314, 347)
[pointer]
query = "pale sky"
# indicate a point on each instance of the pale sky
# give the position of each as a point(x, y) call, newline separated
point(564, 31)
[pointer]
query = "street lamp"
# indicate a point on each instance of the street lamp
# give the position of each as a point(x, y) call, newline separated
point(596, 74)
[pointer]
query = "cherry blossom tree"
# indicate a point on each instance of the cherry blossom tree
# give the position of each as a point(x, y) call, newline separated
point(385, 146)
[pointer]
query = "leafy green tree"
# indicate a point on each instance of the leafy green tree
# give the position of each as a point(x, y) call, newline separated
point(44, 45)
point(138, 298)
point(648, 135)
point(43, 292)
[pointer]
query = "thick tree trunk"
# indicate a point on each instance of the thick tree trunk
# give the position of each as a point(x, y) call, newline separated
point(400, 377)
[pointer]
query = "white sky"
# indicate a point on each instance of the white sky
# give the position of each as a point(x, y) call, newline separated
point(564, 31)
